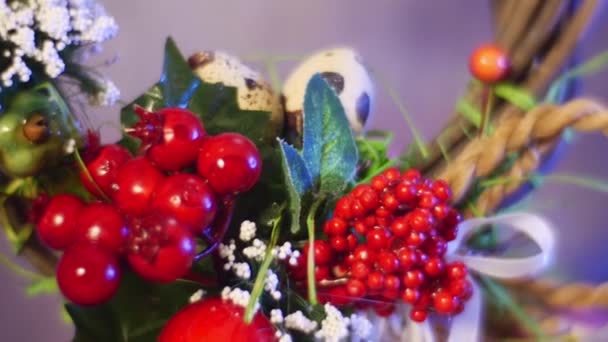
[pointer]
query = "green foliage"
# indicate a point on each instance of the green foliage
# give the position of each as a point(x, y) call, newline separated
point(136, 313)
point(515, 95)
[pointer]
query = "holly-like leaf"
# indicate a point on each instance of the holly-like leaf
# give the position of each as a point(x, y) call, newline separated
point(298, 182)
point(178, 82)
point(329, 148)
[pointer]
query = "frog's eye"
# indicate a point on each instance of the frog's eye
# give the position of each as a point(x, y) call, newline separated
point(36, 128)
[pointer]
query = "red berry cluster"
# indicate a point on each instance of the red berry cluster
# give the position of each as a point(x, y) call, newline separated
point(150, 208)
point(388, 239)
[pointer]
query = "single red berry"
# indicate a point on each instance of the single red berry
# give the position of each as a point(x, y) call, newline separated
point(406, 192)
point(453, 219)
point(410, 296)
point(360, 270)
point(382, 212)
point(335, 226)
point(173, 251)
point(88, 275)
point(390, 202)
point(435, 246)
point(350, 259)
point(357, 208)
point(412, 175)
point(441, 190)
point(355, 288)
point(456, 270)
point(427, 200)
point(377, 238)
point(461, 288)
point(379, 183)
point(213, 319)
point(170, 137)
point(392, 283)
point(102, 167)
point(135, 182)
point(230, 162)
point(338, 243)
point(375, 281)
point(343, 208)
point(400, 226)
point(413, 279)
point(188, 199)
point(450, 234)
point(369, 198)
point(418, 315)
point(352, 241)
point(322, 252)
point(392, 175)
point(408, 258)
point(434, 266)
point(388, 262)
point(56, 226)
point(415, 238)
point(440, 211)
point(421, 220)
point(101, 224)
point(489, 63)
point(365, 253)
point(360, 227)
point(445, 303)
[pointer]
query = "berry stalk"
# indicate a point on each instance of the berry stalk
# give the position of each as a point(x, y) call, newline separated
point(310, 222)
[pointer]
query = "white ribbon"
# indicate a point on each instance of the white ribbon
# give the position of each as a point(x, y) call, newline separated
point(465, 326)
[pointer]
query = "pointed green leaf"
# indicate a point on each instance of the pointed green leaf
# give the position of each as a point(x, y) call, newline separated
point(329, 148)
point(42, 286)
point(298, 182)
point(515, 95)
point(178, 82)
point(469, 112)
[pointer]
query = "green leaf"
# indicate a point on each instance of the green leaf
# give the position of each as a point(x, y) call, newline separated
point(329, 148)
point(515, 95)
point(95, 324)
point(595, 64)
point(298, 182)
point(178, 82)
point(42, 286)
point(469, 112)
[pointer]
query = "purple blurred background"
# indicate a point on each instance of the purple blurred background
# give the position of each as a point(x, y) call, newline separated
point(420, 47)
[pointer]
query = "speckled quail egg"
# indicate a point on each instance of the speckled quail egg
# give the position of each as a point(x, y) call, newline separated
point(253, 92)
point(343, 69)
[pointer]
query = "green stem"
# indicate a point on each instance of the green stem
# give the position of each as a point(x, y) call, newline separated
point(501, 294)
point(260, 279)
point(310, 223)
point(84, 169)
point(378, 171)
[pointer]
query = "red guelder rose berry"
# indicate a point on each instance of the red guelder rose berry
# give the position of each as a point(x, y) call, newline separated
point(134, 185)
point(102, 166)
point(322, 252)
point(88, 275)
point(101, 224)
point(188, 199)
point(171, 136)
point(213, 319)
point(445, 302)
point(489, 63)
point(230, 162)
point(56, 226)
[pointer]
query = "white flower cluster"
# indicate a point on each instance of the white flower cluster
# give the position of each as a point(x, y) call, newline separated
point(247, 231)
point(271, 283)
point(240, 269)
point(36, 31)
point(238, 296)
point(297, 321)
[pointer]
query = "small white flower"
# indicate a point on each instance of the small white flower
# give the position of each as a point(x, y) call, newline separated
point(334, 327)
point(256, 251)
point(276, 316)
point(69, 146)
point(247, 231)
point(297, 321)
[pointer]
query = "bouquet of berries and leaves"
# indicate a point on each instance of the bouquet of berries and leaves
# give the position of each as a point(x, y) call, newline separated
point(227, 214)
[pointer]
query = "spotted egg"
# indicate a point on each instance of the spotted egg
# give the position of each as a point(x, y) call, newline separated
point(253, 92)
point(345, 72)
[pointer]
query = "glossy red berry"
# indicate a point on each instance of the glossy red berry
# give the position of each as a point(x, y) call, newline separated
point(360, 270)
point(392, 283)
point(408, 258)
point(322, 252)
point(415, 238)
point(230, 162)
point(213, 319)
point(375, 281)
point(410, 296)
point(418, 315)
point(88, 275)
point(456, 270)
point(355, 288)
point(442, 190)
point(188, 199)
point(489, 63)
point(392, 175)
point(411, 175)
point(171, 137)
point(338, 243)
point(101, 224)
point(406, 192)
point(413, 279)
point(421, 220)
point(103, 166)
point(377, 238)
point(400, 227)
point(173, 251)
point(134, 185)
point(379, 183)
point(365, 253)
point(343, 208)
point(388, 262)
point(434, 267)
point(335, 226)
point(321, 272)
point(461, 288)
point(445, 303)
point(56, 226)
